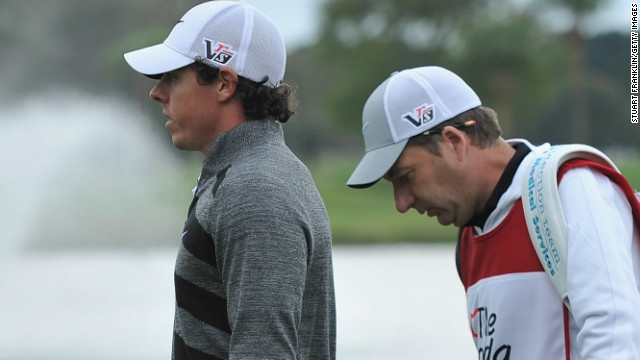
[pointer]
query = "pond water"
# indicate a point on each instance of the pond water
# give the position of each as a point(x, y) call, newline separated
point(394, 302)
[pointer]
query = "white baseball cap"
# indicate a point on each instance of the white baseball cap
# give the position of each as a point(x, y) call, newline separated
point(222, 34)
point(406, 104)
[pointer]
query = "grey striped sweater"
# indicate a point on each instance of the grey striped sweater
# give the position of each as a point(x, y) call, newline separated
point(254, 274)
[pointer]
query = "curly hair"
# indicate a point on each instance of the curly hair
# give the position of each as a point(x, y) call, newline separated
point(484, 133)
point(259, 101)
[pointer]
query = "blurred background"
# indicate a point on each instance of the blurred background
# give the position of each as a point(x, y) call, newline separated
point(93, 195)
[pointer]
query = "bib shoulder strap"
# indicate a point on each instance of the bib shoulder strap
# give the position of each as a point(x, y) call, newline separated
point(543, 210)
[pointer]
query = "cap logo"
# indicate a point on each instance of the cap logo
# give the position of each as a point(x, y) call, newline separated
point(420, 116)
point(219, 53)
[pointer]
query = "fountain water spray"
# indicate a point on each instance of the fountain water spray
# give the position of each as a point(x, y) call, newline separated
point(85, 171)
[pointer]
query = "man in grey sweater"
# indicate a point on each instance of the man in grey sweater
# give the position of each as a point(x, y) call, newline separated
point(254, 273)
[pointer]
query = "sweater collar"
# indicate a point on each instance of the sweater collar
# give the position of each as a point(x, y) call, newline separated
point(240, 142)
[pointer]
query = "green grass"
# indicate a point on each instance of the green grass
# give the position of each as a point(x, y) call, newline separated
point(631, 170)
point(369, 215)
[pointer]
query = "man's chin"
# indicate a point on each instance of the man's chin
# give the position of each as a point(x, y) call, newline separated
point(445, 220)
point(179, 144)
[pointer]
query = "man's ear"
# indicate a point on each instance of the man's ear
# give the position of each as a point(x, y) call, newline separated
point(457, 141)
point(227, 84)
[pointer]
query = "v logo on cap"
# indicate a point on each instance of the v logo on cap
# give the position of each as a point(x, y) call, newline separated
point(423, 114)
point(219, 53)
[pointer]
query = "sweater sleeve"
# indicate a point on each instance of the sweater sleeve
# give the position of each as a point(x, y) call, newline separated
point(601, 282)
point(262, 255)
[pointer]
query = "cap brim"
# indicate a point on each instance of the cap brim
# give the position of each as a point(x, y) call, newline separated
point(156, 60)
point(375, 164)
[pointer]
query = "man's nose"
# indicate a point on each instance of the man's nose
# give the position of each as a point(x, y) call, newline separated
point(403, 198)
point(157, 93)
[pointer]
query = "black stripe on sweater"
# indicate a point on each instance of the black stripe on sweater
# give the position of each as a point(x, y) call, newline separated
point(182, 351)
point(202, 304)
point(198, 241)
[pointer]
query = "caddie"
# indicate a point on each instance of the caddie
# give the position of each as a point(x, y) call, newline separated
point(427, 133)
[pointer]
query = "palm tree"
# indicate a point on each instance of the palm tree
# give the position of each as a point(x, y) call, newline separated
point(579, 115)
